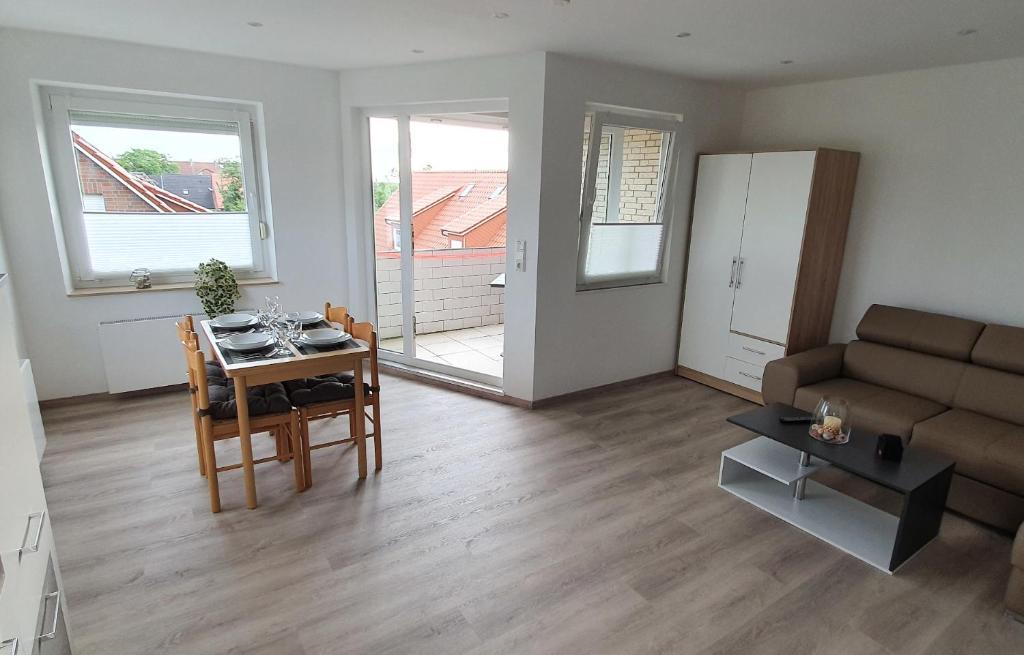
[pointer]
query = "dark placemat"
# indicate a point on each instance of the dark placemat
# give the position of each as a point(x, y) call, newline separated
point(266, 354)
point(307, 349)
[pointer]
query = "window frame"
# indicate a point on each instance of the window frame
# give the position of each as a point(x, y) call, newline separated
point(56, 104)
point(613, 122)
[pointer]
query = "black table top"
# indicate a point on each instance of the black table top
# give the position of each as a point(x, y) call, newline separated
point(857, 456)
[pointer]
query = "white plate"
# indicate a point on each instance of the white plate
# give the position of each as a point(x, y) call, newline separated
point(325, 337)
point(247, 342)
point(306, 318)
point(233, 321)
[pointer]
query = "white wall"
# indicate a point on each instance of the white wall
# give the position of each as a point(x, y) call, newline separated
point(938, 216)
point(303, 145)
point(520, 79)
point(592, 338)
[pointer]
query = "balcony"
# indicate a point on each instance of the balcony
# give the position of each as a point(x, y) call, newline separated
point(459, 314)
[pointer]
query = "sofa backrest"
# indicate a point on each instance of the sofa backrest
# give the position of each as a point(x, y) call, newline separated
point(923, 332)
point(1000, 347)
point(917, 373)
point(994, 384)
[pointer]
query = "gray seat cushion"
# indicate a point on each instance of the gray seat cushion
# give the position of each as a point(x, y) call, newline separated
point(264, 399)
point(322, 389)
point(874, 409)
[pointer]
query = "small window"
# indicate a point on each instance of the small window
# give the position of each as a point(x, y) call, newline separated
point(396, 238)
point(497, 192)
point(143, 184)
point(466, 190)
point(627, 172)
point(456, 243)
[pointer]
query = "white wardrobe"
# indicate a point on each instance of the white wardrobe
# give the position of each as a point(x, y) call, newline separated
point(766, 249)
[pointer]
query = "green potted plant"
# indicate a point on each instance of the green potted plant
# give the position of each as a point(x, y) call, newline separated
point(216, 288)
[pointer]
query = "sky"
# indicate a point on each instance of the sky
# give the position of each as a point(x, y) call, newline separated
point(443, 147)
point(178, 146)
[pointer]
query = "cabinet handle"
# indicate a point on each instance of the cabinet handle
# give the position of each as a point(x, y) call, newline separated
point(52, 634)
point(13, 643)
point(732, 273)
point(748, 375)
point(739, 272)
point(34, 548)
point(754, 350)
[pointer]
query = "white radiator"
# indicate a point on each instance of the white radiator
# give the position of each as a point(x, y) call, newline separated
point(142, 353)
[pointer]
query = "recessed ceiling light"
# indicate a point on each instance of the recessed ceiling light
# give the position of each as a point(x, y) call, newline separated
point(254, 23)
point(786, 61)
point(967, 31)
point(501, 15)
point(683, 35)
point(416, 51)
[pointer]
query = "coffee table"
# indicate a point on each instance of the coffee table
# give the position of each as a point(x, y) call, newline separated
point(772, 470)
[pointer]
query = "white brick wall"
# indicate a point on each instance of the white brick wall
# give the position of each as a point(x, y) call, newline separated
point(452, 290)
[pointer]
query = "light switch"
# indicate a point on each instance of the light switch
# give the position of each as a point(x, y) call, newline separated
point(520, 255)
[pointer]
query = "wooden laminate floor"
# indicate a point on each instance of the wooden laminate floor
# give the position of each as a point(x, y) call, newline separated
point(594, 526)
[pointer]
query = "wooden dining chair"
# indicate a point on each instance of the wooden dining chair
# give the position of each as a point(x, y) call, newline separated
point(190, 343)
point(338, 315)
point(215, 428)
point(329, 396)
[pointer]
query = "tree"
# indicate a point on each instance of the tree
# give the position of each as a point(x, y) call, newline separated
point(144, 160)
point(231, 189)
point(381, 192)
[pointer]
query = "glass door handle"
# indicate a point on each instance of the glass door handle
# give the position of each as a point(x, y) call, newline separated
point(732, 273)
point(739, 272)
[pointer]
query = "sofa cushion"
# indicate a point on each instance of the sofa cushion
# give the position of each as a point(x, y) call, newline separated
point(935, 334)
point(874, 409)
point(927, 376)
point(984, 448)
point(264, 399)
point(993, 393)
point(1001, 347)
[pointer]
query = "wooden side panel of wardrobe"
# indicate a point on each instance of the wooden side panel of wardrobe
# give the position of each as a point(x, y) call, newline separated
point(821, 261)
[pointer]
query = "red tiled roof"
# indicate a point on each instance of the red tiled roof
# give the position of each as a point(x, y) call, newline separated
point(452, 202)
point(160, 199)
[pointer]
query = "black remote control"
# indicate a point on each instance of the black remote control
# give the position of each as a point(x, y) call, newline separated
point(796, 419)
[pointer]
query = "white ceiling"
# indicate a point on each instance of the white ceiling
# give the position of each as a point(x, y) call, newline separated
point(732, 40)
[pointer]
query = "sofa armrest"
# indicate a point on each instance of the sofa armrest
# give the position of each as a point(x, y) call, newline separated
point(783, 377)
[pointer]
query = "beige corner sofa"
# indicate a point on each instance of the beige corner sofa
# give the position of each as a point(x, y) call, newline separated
point(944, 384)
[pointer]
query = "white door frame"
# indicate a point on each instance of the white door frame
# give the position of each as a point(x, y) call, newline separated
point(402, 113)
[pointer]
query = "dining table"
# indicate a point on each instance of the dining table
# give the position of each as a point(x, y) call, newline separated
point(289, 360)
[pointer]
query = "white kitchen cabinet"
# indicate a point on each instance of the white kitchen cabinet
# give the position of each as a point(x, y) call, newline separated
point(766, 249)
point(26, 539)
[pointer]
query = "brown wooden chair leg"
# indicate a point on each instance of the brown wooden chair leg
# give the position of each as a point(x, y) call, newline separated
point(210, 456)
point(378, 456)
point(304, 449)
point(296, 447)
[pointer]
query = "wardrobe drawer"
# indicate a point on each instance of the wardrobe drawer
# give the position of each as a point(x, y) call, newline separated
point(743, 373)
point(753, 351)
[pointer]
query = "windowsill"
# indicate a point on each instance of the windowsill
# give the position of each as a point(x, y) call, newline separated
point(175, 286)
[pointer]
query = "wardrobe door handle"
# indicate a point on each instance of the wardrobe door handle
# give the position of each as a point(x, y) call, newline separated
point(732, 273)
point(13, 643)
point(739, 272)
point(754, 350)
point(52, 634)
point(39, 534)
point(748, 375)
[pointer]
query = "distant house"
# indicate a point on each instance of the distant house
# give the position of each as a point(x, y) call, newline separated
point(450, 209)
point(210, 168)
point(108, 187)
point(197, 188)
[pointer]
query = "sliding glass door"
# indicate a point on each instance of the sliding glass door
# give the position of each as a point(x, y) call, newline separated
point(439, 187)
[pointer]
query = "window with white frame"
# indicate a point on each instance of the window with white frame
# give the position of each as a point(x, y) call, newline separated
point(146, 181)
point(628, 169)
